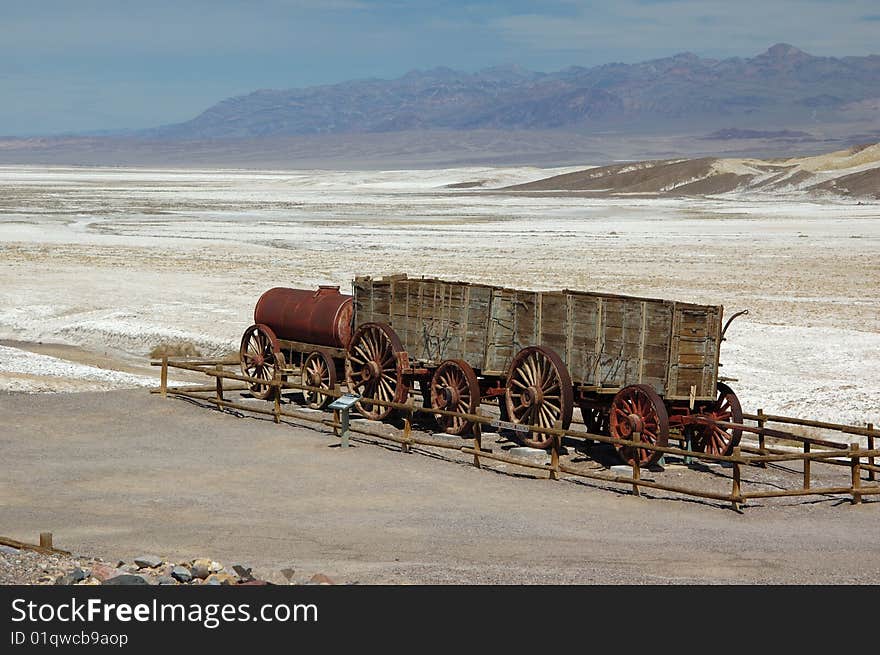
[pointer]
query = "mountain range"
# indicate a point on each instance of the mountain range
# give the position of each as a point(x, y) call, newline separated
point(778, 89)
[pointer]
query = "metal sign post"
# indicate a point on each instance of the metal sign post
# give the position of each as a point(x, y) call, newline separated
point(342, 408)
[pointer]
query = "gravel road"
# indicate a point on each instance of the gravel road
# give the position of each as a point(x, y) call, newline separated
point(120, 473)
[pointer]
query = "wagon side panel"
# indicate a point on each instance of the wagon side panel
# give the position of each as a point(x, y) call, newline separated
point(364, 291)
point(654, 347)
point(619, 358)
point(527, 314)
point(583, 337)
point(476, 327)
point(435, 320)
point(693, 352)
point(501, 331)
point(553, 318)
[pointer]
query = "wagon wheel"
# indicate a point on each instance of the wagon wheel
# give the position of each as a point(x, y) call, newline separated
point(373, 370)
point(638, 408)
point(538, 392)
point(454, 387)
point(318, 370)
point(261, 357)
point(714, 439)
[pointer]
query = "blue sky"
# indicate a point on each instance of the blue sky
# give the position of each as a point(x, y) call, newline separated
point(78, 65)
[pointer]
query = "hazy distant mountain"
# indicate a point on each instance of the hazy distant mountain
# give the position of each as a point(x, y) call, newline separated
point(779, 88)
point(852, 172)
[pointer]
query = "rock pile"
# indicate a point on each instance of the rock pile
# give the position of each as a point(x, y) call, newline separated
point(27, 567)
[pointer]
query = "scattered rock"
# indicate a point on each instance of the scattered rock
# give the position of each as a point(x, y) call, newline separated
point(166, 580)
point(221, 578)
point(201, 568)
point(71, 578)
point(215, 567)
point(320, 578)
point(244, 572)
point(9, 550)
point(148, 561)
point(448, 438)
point(103, 572)
point(89, 581)
point(181, 574)
point(211, 580)
point(288, 573)
point(532, 455)
point(126, 579)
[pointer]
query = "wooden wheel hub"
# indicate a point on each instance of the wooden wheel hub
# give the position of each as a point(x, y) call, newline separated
point(371, 371)
point(450, 397)
point(532, 396)
point(633, 424)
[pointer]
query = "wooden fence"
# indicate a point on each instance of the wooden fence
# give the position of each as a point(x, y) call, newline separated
point(832, 453)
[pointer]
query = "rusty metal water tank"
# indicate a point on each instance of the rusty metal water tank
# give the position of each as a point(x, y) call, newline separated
point(321, 317)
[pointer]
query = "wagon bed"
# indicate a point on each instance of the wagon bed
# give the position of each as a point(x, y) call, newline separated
point(606, 341)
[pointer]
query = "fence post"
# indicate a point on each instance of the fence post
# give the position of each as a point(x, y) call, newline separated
point(637, 471)
point(478, 443)
point(219, 382)
point(407, 432)
point(276, 383)
point(761, 436)
point(163, 384)
point(806, 465)
point(856, 467)
point(554, 454)
point(46, 540)
point(736, 493)
point(872, 475)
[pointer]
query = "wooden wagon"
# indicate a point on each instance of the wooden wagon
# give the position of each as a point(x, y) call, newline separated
point(631, 365)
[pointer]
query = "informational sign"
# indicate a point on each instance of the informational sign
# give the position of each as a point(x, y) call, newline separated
point(345, 401)
point(507, 425)
point(344, 404)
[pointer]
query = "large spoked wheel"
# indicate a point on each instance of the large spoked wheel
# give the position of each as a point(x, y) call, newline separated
point(538, 392)
point(318, 371)
point(715, 439)
point(455, 388)
point(639, 409)
point(261, 357)
point(373, 370)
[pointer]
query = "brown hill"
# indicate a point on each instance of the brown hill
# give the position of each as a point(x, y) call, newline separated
point(852, 172)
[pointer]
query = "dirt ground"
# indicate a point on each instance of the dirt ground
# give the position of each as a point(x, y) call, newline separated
point(120, 473)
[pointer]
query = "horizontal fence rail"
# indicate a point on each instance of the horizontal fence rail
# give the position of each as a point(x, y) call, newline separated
point(838, 454)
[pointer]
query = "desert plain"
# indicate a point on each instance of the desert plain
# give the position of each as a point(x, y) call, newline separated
point(109, 263)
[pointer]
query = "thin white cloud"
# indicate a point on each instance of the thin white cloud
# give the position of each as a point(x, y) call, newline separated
point(674, 25)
